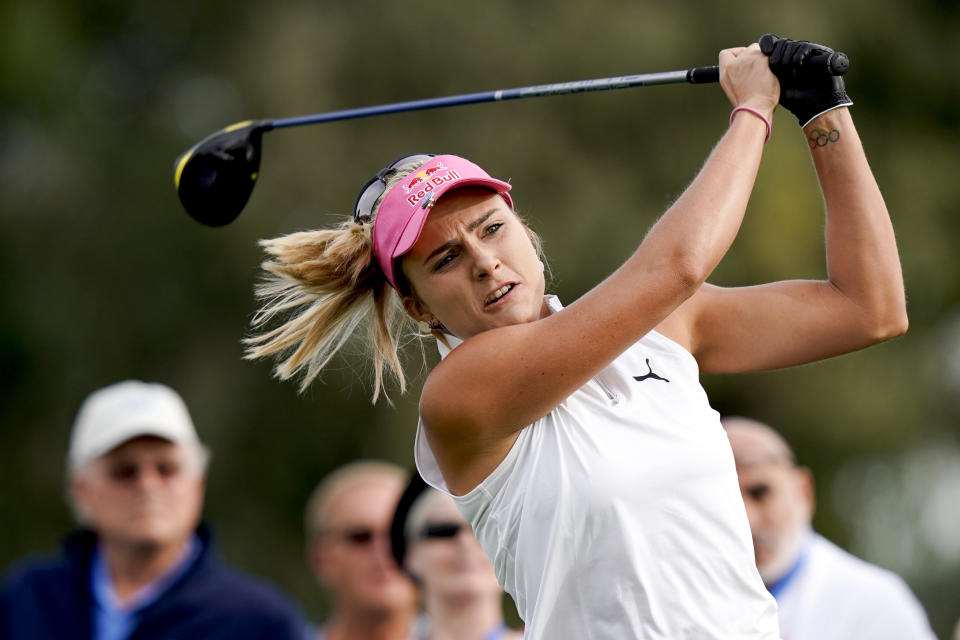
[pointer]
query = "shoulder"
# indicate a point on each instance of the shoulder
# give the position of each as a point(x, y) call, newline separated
point(243, 590)
point(244, 599)
point(856, 571)
point(881, 594)
point(35, 572)
point(37, 568)
point(36, 585)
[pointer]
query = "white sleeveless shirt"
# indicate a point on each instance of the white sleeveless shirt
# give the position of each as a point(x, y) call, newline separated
point(618, 515)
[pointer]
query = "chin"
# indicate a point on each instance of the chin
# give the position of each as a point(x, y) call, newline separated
point(390, 597)
point(775, 568)
point(148, 536)
point(522, 315)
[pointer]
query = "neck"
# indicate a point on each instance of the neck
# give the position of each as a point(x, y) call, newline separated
point(784, 577)
point(132, 567)
point(354, 624)
point(464, 618)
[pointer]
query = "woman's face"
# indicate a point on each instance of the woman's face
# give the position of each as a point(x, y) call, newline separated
point(450, 567)
point(474, 267)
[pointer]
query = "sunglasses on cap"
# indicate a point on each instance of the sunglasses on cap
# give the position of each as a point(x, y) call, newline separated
point(440, 530)
point(371, 192)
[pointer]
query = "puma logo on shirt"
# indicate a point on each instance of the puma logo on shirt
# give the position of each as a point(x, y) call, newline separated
point(649, 375)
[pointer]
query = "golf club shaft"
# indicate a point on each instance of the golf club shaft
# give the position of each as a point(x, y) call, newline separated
point(696, 75)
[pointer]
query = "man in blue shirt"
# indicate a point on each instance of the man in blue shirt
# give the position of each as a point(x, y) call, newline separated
point(142, 568)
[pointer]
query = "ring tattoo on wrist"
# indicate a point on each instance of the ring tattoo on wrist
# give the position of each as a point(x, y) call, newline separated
point(822, 137)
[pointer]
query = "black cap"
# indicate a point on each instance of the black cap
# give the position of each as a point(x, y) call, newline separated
point(398, 526)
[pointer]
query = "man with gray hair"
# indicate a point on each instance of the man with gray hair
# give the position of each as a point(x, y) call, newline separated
point(822, 592)
point(141, 567)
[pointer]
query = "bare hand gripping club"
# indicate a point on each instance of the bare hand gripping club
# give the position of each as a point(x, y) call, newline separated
point(215, 177)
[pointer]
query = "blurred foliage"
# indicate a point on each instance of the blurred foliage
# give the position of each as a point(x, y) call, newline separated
point(106, 278)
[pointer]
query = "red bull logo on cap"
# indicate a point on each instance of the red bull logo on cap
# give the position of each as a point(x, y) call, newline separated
point(421, 176)
point(420, 183)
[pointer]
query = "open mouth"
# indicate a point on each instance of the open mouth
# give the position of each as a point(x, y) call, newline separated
point(497, 295)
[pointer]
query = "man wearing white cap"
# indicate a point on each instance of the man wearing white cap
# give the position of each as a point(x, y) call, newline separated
point(822, 592)
point(142, 567)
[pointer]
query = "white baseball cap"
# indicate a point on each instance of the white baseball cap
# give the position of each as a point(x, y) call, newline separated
point(126, 410)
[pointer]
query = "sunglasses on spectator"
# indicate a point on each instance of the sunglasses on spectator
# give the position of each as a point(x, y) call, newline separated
point(440, 530)
point(358, 536)
point(128, 472)
point(371, 192)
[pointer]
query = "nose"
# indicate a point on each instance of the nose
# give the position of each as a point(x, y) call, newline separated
point(146, 480)
point(381, 552)
point(485, 262)
point(754, 514)
point(466, 538)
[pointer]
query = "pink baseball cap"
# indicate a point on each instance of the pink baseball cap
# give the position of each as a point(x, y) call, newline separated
point(405, 207)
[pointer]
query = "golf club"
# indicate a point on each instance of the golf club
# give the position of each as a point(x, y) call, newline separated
point(215, 177)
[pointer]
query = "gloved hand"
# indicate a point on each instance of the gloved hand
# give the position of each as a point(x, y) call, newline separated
point(807, 87)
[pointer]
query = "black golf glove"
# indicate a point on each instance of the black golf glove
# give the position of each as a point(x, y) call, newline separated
point(807, 88)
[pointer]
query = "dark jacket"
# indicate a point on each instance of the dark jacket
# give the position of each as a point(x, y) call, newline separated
point(51, 598)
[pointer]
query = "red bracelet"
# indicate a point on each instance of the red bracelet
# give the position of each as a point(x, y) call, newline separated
point(756, 113)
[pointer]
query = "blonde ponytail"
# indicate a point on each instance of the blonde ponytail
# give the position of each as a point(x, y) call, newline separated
point(324, 284)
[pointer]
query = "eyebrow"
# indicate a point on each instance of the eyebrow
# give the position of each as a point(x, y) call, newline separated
point(471, 227)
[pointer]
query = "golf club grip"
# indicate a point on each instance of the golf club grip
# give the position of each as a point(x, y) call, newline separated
point(702, 75)
point(834, 63)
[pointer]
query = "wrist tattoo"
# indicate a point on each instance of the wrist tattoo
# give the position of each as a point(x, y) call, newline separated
point(822, 137)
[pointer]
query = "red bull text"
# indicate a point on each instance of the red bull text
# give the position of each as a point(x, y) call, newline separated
point(426, 181)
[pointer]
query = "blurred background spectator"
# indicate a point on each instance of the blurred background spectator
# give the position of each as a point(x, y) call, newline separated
point(437, 549)
point(822, 592)
point(347, 526)
point(141, 566)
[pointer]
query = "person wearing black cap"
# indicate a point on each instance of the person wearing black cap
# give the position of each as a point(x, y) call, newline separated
point(436, 547)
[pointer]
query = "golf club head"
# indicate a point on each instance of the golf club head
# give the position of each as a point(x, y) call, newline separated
point(215, 177)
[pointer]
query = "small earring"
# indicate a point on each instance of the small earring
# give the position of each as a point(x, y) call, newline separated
point(543, 267)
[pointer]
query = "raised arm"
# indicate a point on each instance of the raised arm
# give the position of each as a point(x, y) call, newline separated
point(479, 397)
point(781, 324)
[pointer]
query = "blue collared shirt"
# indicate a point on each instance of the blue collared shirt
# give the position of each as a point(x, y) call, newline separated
point(778, 587)
point(115, 621)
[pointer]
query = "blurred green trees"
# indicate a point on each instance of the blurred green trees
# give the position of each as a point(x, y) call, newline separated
point(104, 276)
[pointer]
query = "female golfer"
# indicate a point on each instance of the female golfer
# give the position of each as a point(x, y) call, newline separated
point(577, 441)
